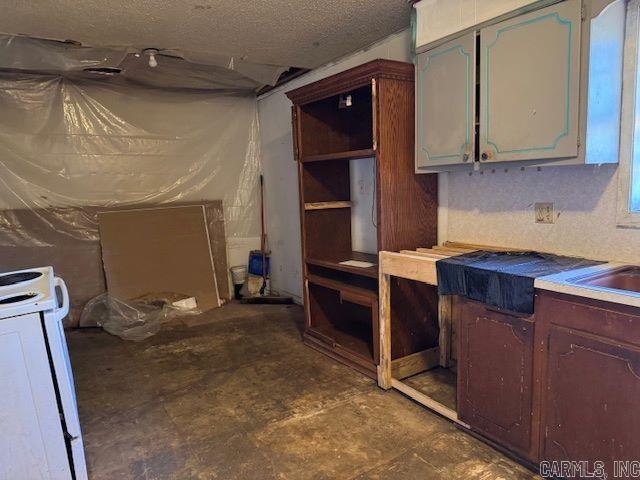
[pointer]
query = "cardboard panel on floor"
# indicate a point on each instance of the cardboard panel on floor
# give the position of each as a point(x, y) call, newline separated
point(156, 250)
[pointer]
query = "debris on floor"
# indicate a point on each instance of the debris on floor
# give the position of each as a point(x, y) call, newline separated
point(136, 319)
point(236, 395)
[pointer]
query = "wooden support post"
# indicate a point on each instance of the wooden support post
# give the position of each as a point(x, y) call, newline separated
point(384, 368)
point(445, 305)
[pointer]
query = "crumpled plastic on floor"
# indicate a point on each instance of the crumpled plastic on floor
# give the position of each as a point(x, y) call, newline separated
point(134, 320)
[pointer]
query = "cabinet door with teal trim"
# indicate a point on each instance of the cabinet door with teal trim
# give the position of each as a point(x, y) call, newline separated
point(529, 85)
point(445, 100)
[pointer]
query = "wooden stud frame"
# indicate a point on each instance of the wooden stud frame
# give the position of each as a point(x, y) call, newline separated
point(418, 265)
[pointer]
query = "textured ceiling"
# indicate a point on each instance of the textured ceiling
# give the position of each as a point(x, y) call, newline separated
point(301, 33)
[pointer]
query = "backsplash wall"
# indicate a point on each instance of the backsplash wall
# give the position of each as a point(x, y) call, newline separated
point(498, 209)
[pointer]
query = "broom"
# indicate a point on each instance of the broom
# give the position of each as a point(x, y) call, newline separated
point(263, 297)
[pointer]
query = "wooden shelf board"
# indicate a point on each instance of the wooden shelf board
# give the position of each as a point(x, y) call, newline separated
point(419, 265)
point(341, 286)
point(348, 341)
point(326, 205)
point(365, 366)
point(490, 248)
point(350, 154)
point(336, 265)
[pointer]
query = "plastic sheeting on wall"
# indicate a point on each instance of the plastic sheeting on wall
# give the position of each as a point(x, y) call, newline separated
point(68, 146)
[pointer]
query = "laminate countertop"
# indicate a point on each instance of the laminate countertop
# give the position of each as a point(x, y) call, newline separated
point(570, 282)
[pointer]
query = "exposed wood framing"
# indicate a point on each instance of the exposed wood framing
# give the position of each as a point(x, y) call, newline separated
point(384, 299)
point(326, 205)
point(415, 363)
point(424, 253)
point(418, 265)
point(471, 247)
point(444, 318)
point(427, 401)
point(413, 267)
point(440, 248)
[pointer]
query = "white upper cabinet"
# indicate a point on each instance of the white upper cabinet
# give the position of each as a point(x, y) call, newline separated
point(445, 99)
point(536, 88)
point(440, 18)
point(530, 82)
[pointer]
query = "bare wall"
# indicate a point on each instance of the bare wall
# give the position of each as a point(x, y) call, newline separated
point(497, 209)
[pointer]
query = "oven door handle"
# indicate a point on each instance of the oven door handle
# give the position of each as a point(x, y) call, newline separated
point(63, 310)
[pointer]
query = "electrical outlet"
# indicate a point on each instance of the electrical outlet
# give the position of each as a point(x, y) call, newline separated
point(544, 212)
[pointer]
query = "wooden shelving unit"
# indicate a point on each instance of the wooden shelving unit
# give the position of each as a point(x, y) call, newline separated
point(341, 301)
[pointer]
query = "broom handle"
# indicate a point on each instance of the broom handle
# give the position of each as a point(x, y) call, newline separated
point(263, 235)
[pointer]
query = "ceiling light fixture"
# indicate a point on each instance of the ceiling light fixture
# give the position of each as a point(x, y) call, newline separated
point(151, 53)
point(345, 101)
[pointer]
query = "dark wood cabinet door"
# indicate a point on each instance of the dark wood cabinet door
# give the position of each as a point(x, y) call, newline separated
point(495, 375)
point(591, 406)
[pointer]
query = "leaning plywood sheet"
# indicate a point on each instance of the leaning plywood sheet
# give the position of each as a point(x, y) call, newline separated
point(217, 235)
point(153, 250)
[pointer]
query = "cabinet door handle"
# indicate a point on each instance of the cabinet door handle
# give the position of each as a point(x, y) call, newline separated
point(466, 155)
point(484, 156)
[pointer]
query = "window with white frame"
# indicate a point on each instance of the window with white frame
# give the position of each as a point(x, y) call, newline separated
point(634, 167)
point(629, 169)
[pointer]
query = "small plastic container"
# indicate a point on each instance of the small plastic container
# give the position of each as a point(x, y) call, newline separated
point(238, 276)
point(255, 263)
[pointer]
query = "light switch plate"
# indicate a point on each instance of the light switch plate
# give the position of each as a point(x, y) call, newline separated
point(544, 212)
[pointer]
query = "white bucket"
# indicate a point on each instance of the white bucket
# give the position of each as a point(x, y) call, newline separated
point(239, 274)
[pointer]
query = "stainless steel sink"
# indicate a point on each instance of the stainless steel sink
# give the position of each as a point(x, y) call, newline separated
point(626, 279)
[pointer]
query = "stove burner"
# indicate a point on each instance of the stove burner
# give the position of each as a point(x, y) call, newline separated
point(17, 298)
point(15, 278)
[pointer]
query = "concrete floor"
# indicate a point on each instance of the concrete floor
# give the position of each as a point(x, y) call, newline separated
point(234, 394)
point(438, 383)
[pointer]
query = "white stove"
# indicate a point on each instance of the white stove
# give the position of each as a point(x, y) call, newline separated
point(27, 291)
point(40, 436)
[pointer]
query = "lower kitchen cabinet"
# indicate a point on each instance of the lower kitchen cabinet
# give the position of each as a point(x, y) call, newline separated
point(565, 387)
point(496, 375)
point(591, 394)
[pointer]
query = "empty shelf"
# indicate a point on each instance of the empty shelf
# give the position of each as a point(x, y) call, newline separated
point(365, 153)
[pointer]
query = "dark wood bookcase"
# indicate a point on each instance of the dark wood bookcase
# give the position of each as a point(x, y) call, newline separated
point(341, 301)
